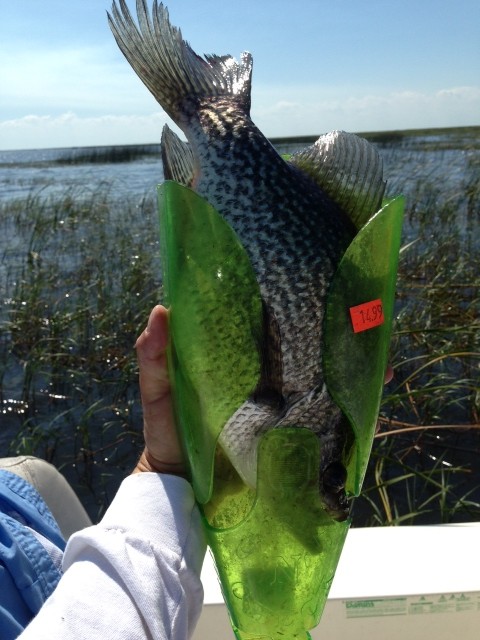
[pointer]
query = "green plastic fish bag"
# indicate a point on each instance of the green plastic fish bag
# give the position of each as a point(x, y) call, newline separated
point(275, 547)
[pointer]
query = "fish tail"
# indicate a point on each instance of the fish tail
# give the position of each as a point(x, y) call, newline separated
point(169, 67)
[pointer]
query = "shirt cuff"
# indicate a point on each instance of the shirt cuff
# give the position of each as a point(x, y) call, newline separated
point(162, 509)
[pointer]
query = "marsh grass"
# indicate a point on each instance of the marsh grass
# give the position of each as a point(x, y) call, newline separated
point(79, 273)
point(79, 292)
point(424, 463)
point(101, 155)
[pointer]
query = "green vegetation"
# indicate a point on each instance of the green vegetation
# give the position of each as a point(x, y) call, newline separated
point(79, 289)
point(98, 155)
point(424, 464)
point(79, 273)
point(452, 138)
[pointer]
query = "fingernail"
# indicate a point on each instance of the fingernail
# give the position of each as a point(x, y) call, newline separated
point(150, 320)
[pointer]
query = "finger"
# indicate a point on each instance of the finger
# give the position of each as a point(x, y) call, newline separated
point(151, 356)
point(163, 451)
point(388, 374)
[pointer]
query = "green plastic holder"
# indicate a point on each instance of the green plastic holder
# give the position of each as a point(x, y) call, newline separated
point(275, 547)
point(355, 362)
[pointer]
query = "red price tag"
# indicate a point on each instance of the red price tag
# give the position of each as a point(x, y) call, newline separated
point(367, 315)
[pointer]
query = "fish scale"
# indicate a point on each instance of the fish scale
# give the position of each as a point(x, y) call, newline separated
point(274, 217)
point(295, 220)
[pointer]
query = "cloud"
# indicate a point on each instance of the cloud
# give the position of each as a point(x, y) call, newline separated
point(71, 130)
point(306, 114)
point(311, 113)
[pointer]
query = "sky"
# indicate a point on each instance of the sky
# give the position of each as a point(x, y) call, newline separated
point(357, 65)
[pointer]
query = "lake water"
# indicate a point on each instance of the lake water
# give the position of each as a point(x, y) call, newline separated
point(24, 171)
point(447, 158)
point(446, 162)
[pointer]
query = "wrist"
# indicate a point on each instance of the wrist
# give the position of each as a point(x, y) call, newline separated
point(148, 464)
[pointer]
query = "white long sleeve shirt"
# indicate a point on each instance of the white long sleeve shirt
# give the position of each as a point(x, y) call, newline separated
point(136, 574)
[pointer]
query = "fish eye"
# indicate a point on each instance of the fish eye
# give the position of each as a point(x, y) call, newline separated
point(334, 477)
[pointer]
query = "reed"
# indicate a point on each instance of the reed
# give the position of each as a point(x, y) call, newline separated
point(424, 465)
point(78, 294)
point(101, 155)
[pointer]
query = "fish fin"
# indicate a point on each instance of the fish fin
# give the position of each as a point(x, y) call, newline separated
point(177, 158)
point(269, 387)
point(167, 64)
point(349, 170)
point(261, 411)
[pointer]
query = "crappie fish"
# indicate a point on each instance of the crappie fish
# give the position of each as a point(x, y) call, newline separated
point(295, 220)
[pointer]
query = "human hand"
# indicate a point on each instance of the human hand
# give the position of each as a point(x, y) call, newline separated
point(162, 453)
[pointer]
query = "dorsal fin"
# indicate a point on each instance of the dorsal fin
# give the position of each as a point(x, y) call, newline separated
point(169, 67)
point(349, 170)
point(177, 158)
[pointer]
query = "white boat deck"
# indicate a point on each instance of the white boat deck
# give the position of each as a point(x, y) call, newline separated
point(392, 583)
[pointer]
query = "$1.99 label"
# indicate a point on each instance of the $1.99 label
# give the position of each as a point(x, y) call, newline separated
point(367, 315)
